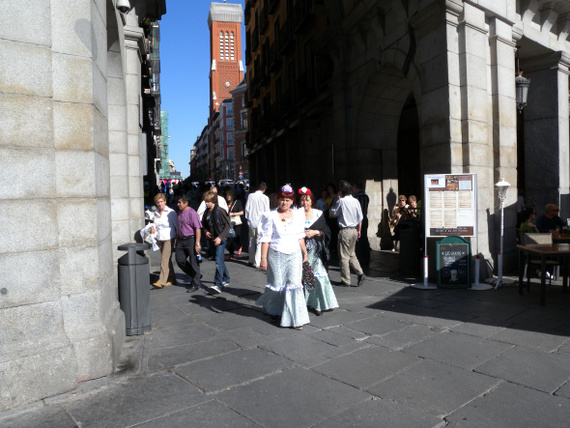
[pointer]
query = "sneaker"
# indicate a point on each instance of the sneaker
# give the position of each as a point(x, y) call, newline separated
point(214, 289)
point(361, 279)
point(225, 284)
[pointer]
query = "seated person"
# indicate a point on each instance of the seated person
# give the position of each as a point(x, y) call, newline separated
point(527, 221)
point(550, 220)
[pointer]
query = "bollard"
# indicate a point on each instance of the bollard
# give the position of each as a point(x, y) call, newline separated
point(134, 288)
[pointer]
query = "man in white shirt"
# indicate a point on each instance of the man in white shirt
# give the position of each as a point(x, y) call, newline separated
point(257, 203)
point(349, 215)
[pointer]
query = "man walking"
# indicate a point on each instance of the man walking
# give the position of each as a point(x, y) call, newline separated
point(349, 215)
point(188, 241)
point(257, 203)
point(362, 244)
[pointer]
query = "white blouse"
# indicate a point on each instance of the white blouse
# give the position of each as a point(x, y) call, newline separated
point(166, 224)
point(282, 236)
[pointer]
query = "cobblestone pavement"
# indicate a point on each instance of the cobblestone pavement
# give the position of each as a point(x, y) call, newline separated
point(391, 355)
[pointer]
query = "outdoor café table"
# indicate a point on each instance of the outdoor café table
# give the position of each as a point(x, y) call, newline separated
point(558, 238)
point(559, 251)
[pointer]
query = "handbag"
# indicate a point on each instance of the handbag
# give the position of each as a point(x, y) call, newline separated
point(308, 277)
point(236, 219)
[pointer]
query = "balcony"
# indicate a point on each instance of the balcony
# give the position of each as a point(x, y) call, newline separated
point(264, 21)
point(286, 39)
point(304, 13)
point(274, 58)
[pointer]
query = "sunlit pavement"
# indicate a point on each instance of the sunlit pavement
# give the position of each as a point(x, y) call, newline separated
point(391, 355)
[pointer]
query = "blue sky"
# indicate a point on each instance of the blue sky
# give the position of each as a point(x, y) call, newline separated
point(184, 84)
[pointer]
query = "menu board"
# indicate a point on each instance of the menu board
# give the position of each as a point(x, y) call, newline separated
point(450, 205)
point(453, 261)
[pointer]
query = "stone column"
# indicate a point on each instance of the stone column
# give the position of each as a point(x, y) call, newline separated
point(546, 130)
point(60, 321)
point(503, 163)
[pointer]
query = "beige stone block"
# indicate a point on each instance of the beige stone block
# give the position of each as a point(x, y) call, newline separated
point(79, 270)
point(99, 32)
point(75, 174)
point(100, 90)
point(38, 179)
point(27, 121)
point(72, 28)
point(35, 15)
point(77, 222)
point(38, 376)
point(31, 329)
point(114, 65)
point(74, 128)
point(473, 15)
point(82, 317)
point(121, 234)
point(100, 134)
point(30, 70)
point(117, 121)
point(119, 187)
point(479, 154)
point(40, 234)
point(435, 105)
point(478, 132)
point(103, 219)
point(29, 286)
point(478, 104)
point(133, 120)
point(72, 78)
point(94, 358)
point(133, 89)
point(120, 209)
point(102, 176)
point(119, 164)
point(116, 91)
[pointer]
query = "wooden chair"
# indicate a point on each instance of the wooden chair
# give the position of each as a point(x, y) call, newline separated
point(540, 238)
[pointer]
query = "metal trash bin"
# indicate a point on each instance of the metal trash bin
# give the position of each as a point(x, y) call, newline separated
point(134, 288)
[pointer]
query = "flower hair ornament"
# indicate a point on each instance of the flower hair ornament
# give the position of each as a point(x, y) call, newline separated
point(304, 191)
point(287, 188)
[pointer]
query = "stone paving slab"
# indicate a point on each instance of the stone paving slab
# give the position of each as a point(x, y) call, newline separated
point(295, 398)
point(436, 388)
point(209, 414)
point(366, 367)
point(511, 405)
point(541, 342)
point(139, 400)
point(375, 413)
point(399, 339)
point(51, 416)
point(232, 369)
point(458, 349)
point(163, 358)
point(536, 369)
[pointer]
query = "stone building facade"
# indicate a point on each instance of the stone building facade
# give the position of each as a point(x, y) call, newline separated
point(73, 145)
point(384, 92)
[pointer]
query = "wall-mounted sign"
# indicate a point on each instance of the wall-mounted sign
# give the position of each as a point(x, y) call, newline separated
point(450, 205)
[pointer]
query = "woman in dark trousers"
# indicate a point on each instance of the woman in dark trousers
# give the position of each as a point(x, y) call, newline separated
point(235, 210)
point(216, 226)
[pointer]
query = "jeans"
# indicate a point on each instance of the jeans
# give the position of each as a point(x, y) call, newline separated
point(222, 274)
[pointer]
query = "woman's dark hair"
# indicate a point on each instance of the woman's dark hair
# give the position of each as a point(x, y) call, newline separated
point(527, 212)
point(333, 187)
point(231, 193)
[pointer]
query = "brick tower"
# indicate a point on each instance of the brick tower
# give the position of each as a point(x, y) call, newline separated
point(226, 67)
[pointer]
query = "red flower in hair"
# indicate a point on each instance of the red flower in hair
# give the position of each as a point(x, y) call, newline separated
point(304, 191)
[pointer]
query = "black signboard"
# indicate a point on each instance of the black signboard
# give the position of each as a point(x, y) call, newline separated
point(453, 263)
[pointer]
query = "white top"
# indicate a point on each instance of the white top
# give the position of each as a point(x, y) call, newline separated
point(348, 211)
point(282, 236)
point(316, 214)
point(202, 208)
point(257, 204)
point(166, 224)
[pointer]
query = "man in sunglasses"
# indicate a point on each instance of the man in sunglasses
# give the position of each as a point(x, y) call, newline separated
point(550, 220)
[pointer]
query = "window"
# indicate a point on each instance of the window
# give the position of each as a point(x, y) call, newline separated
point(231, 154)
point(230, 124)
point(230, 138)
point(244, 119)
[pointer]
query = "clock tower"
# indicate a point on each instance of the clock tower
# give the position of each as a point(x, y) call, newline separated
point(226, 66)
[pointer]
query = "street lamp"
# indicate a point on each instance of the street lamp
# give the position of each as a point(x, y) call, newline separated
point(521, 85)
point(502, 187)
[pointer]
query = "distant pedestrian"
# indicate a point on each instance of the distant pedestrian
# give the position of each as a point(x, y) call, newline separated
point(188, 241)
point(362, 244)
point(216, 225)
point(235, 210)
point(282, 255)
point(257, 204)
point(349, 215)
